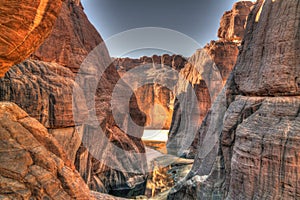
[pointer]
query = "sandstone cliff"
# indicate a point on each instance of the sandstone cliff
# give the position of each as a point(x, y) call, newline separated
point(206, 72)
point(72, 38)
point(155, 99)
point(19, 40)
point(248, 147)
point(33, 164)
point(232, 25)
point(44, 87)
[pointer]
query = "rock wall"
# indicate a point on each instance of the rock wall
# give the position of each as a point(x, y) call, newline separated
point(248, 147)
point(155, 100)
point(44, 87)
point(44, 91)
point(72, 38)
point(19, 40)
point(207, 71)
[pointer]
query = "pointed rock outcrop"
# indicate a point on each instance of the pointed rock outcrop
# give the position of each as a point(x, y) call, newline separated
point(248, 147)
point(206, 73)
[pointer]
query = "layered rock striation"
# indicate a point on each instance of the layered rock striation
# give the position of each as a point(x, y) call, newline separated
point(155, 95)
point(72, 38)
point(206, 72)
point(72, 103)
point(33, 164)
point(248, 147)
point(44, 90)
point(24, 26)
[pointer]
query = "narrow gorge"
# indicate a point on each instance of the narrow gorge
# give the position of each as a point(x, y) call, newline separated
point(77, 123)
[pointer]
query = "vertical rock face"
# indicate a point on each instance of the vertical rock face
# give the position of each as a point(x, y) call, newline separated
point(155, 100)
point(24, 26)
point(277, 62)
point(44, 91)
point(207, 71)
point(44, 87)
point(248, 146)
point(72, 38)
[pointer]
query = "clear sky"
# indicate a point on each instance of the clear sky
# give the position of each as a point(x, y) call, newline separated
point(197, 19)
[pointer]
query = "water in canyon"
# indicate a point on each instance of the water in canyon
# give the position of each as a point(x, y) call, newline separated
point(165, 170)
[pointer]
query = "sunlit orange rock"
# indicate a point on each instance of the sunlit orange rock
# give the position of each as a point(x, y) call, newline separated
point(24, 27)
point(155, 100)
point(43, 86)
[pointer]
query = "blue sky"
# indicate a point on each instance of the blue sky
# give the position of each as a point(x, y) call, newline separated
point(197, 19)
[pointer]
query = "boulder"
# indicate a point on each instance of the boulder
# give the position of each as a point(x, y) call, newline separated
point(33, 165)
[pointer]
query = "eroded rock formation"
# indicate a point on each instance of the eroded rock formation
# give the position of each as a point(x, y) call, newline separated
point(155, 98)
point(72, 38)
point(33, 165)
point(44, 90)
point(44, 87)
point(248, 147)
point(207, 71)
point(232, 25)
point(24, 26)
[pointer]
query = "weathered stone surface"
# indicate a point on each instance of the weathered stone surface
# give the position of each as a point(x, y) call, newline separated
point(45, 89)
point(207, 71)
point(249, 140)
point(176, 62)
point(101, 196)
point(24, 26)
point(69, 138)
point(155, 100)
point(33, 165)
point(277, 62)
point(72, 38)
point(224, 54)
point(233, 21)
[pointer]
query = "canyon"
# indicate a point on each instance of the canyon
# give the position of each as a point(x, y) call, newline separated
point(155, 98)
point(195, 82)
point(72, 118)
